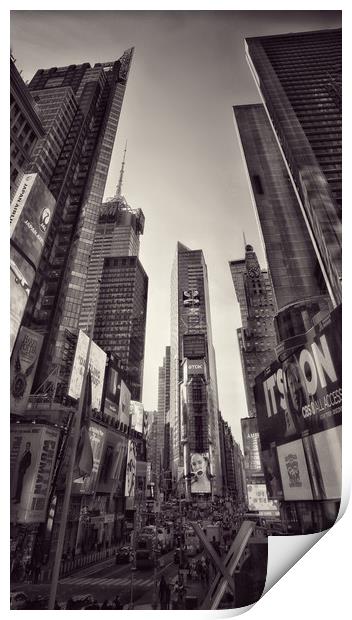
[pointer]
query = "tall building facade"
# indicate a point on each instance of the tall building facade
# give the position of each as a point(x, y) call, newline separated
point(121, 316)
point(117, 235)
point(80, 106)
point(194, 429)
point(299, 78)
point(26, 126)
point(256, 337)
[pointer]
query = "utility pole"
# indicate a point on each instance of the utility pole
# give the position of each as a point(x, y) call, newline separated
point(69, 475)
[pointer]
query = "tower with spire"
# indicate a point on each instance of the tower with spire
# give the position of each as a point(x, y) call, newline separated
point(117, 234)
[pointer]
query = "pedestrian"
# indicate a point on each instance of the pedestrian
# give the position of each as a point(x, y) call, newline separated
point(118, 602)
point(162, 592)
point(167, 596)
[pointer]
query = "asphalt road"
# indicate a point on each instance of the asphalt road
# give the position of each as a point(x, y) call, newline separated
point(105, 580)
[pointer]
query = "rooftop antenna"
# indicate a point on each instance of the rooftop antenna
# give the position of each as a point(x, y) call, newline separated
point(119, 187)
point(244, 239)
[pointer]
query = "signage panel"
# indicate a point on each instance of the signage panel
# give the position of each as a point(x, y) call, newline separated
point(24, 362)
point(32, 459)
point(97, 364)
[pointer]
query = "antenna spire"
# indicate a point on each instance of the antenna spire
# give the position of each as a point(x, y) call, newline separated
point(244, 239)
point(119, 187)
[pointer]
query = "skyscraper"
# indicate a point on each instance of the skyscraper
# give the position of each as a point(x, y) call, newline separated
point(256, 337)
point(194, 428)
point(299, 78)
point(121, 316)
point(80, 106)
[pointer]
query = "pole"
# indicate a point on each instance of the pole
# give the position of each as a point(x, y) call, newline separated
point(69, 475)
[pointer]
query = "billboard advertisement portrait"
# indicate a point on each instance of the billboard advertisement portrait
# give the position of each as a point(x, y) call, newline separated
point(24, 362)
point(124, 404)
point(97, 364)
point(130, 481)
point(96, 436)
point(137, 414)
point(32, 459)
point(111, 392)
point(294, 472)
point(200, 470)
point(31, 214)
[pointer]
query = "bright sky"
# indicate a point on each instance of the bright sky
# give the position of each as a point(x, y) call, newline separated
point(183, 163)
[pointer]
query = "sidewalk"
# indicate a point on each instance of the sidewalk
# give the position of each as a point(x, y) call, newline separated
point(194, 589)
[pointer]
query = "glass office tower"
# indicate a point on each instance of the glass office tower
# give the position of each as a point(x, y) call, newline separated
point(194, 429)
point(299, 78)
point(80, 106)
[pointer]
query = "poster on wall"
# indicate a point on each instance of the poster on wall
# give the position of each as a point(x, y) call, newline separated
point(200, 471)
point(24, 362)
point(97, 364)
point(32, 458)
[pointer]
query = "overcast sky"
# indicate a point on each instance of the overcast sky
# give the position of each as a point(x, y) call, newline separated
point(183, 163)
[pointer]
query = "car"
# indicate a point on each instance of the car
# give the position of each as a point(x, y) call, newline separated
point(18, 600)
point(81, 601)
point(123, 555)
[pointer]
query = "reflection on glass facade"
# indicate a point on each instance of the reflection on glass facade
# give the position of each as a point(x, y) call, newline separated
point(81, 107)
point(299, 78)
point(121, 317)
point(293, 265)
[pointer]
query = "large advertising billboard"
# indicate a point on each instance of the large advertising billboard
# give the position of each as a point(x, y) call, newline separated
point(96, 435)
point(137, 415)
point(31, 213)
point(97, 364)
point(112, 461)
point(200, 473)
point(124, 404)
point(32, 459)
point(258, 500)
point(299, 403)
point(130, 480)
point(21, 279)
point(24, 362)
point(111, 392)
point(251, 446)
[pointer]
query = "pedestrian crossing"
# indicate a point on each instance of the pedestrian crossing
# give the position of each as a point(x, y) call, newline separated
point(107, 582)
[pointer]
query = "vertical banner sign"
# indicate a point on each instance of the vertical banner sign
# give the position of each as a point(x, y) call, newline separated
point(24, 362)
point(96, 436)
point(251, 451)
point(137, 414)
point(299, 414)
point(32, 458)
point(124, 404)
point(97, 363)
point(200, 468)
point(130, 483)
point(111, 392)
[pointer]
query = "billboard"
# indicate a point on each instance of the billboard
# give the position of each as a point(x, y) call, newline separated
point(294, 471)
point(130, 480)
point(195, 367)
point(191, 298)
point(32, 459)
point(113, 458)
point(21, 279)
point(111, 392)
point(258, 500)
point(24, 362)
point(96, 436)
point(137, 415)
point(31, 213)
point(251, 445)
point(97, 364)
point(323, 452)
point(124, 404)
point(303, 394)
point(200, 468)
